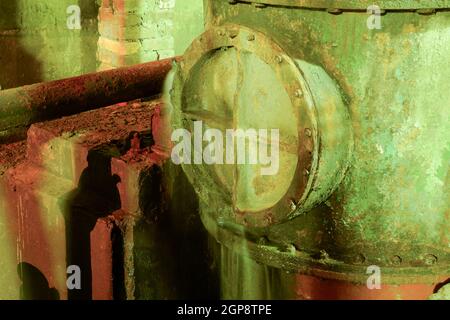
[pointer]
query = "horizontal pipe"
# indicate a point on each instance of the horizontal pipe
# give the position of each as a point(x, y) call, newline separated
point(23, 106)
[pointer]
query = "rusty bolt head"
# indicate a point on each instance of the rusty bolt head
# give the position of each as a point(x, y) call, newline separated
point(396, 260)
point(426, 12)
point(308, 132)
point(324, 255)
point(263, 241)
point(298, 93)
point(359, 259)
point(290, 248)
point(334, 11)
point(233, 33)
point(221, 222)
point(292, 205)
point(430, 259)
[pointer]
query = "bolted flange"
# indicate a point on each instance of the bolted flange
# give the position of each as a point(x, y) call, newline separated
point(218, 87)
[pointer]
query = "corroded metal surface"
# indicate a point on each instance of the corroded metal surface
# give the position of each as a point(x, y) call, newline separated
point(285, 95)
point(354, 4)
point(391, 209)
point(20, 107)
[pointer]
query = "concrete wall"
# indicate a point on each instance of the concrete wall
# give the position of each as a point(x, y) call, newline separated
point(136, 31)
point(36, 44)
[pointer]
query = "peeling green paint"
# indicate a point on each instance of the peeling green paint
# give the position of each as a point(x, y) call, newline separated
point(392, 207)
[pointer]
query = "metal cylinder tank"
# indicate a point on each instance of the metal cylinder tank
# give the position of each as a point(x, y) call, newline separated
point(360, 97)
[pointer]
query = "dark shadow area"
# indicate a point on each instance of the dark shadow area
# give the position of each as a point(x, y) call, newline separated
point(171, 254)
point(441, 285)
point(154, 254)
point(17, 66)
point(34, 284)
point(118, 271)
point(89, 34)
point(174, 260)
point(196, 271)
point(97, 196)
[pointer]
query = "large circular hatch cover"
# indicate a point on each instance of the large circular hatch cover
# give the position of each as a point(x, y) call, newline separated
point(257, 142)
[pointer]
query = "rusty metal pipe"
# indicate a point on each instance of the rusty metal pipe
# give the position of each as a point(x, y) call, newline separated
point(23, 106)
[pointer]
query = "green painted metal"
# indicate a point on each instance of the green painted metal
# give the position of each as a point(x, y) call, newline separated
point(355, 4)
point(391, 208)
point(315, 137)
point(38, 46)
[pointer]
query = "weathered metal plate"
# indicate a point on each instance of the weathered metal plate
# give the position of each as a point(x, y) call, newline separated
point(222, 90)
point(391, 208)
point(357, 4)
point(226, 94)
point(217, 84)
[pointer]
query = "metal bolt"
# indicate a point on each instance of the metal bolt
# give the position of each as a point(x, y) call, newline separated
point(290, 248)
point(323, 255)
point(426, 11)
point(292, 205)
point(397, 260)
point(221, 222)
point(359, 258)
point(263, 241)
point(233, 33)
point(430, 259)
point(334, 11)
point(308, 132)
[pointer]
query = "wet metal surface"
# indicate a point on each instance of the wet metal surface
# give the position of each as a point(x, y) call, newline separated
point(391, 208)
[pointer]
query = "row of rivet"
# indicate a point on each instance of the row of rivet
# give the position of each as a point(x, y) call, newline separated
point(340, 11)
point(429, 259)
